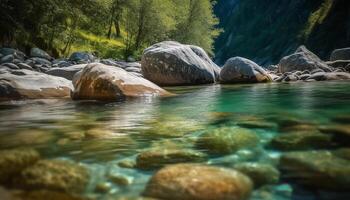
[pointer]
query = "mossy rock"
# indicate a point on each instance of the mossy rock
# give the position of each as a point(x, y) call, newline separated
point(261, 174)
point(317, 169)
point(56, 175)
point(157, 158)
point(12, 162)
point(227, 140)
point(301, 141)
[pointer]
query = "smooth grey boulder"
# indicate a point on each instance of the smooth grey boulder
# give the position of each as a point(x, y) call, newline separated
point(66, 72)
point(340, 54)
point(24, 66)
point(338, 63)
point(242, 70)
point(39, 53)
point(171, 63)
point(82, 57)
point(9, 51)
point(26, 84)
point(301, 60)
point(102, 82)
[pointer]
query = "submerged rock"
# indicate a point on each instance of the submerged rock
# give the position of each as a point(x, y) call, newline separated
point(227, 140)
point(57, 175)
point(317, 169)
point(12, 162)
point(66, 72)
point(260, 174)
point(38, 195)
point(102, 82)
point(198, 182)
point(257, 124)
point(301, 141)
point(26, 84)
point(157, 158)
point(301, 60)
point(172, 63)
point(340, 54)
point(242, 70)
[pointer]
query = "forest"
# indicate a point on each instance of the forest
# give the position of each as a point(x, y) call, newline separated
point(109, 28)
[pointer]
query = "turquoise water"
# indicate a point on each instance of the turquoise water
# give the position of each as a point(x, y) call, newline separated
point(100, 135)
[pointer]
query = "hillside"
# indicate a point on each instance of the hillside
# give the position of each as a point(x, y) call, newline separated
point(266, 30)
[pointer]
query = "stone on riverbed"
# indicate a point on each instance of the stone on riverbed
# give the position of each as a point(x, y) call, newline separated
point(198, 182)
point(82, 57)
point(56, 175)
point(101, 82)
point(301, 60)
point(172, 63)
point(26, 84)
point(260, 174)
point(301, 141)
point(242, 70)
point(227, 140)
point(37, 195)
point(12, 162)
point(317, 169)
point(158, 158)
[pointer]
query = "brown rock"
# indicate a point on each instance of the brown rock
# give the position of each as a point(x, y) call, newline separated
point(198, 182)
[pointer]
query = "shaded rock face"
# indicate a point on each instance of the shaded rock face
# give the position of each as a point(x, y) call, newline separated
point(260, 174)
point(66, 72)
point(340, 54)
point(227, 140)
point(317, 169)
point(36, 52)
point(242, 70)
point(102, 82)
point(198, 182)
point(172, 63)
point(26, 84)
point(56, 175)
point(301, 60)
point(158, 158)
point(12, 162)
point(82, 57)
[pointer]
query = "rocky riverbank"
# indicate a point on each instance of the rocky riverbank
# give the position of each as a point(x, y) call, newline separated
point(225, 155)
point(82, 76)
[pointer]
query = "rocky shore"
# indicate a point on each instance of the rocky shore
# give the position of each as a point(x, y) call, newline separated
point(226, 158)
point(82, 76)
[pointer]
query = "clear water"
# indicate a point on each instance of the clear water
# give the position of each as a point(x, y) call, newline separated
point(117, 130)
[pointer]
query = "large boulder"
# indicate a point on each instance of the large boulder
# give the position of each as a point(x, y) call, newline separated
point(36, 52)
point(26, 84)
point(66, 72)
point(340, 54)
point(198, 182)
point(317, 169)
point(172, 63)
point(301, 60)
point(242, 70)
point(101, 82)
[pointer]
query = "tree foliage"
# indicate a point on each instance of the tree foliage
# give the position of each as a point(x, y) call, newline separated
point(57, 25)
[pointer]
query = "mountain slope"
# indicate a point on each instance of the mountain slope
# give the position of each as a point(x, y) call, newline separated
point(266, 30)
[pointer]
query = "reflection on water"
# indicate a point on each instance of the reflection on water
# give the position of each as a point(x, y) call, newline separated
point(220, 121)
